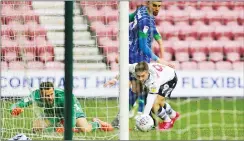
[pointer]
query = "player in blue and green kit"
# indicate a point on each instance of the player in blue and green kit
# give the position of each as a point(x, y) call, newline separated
point(142, 31)
point(52, 100)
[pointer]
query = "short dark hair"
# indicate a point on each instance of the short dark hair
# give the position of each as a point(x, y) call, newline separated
point(141, 66)
point(46, 85)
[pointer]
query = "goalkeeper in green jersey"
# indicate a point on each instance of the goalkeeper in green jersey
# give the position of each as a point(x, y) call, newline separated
point(52, 100)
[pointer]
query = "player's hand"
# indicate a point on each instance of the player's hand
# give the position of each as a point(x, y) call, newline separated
point(16, 111)
point(110, 83)
point(163, 62)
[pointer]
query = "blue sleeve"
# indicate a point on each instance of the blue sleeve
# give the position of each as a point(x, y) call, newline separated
point(144, 27)
point(146, 50)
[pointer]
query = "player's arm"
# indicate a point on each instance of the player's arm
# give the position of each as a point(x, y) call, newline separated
point(17, 107)
point(144, 27)
point(116, 78)
point(158, 38)
point(151, 97)
point(131, 16)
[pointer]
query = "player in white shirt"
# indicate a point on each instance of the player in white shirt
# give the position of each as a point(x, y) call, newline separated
point(160, 80)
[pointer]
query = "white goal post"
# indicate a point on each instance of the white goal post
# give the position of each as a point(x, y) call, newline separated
point(124, 69)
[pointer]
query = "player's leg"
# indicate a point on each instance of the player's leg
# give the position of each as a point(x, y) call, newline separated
point(171, 112)
point(161, 113)
point(135, 89)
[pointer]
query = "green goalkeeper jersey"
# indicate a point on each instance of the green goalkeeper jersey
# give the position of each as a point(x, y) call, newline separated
point(55, 110)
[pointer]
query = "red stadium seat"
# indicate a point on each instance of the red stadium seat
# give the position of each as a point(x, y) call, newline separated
point(223, 65)
point(224, 39)
point(4, 65)
point(197, 16)
point(9, 50)
point(6, 30)
point(45, 52)
point(207, 39)
point(232, 50)
point(230, 16)
point(189, 39)
point(206, 65)
point(222, 9)
point(189, 9)
point(185, 31)
point(177, 16)
point(168, 51)
point(17, 28)
point(30, 16)
point(96, 26)
point(212, 16)
point(8, 14)
point(205, 4)
point(95, 15)
point(35, 65)
point(168, 31)
point(240, 18)
point(107, 30)
point(87, 9)
point(198, 50)
point(222, 31)
point(204, 31)
point(17, 65)
point(215, 51)
point(215, 24)
point(188, 65)
point(27, 49)
point(237, 31)
point(206, 8)
point(173, 8)
point(112, 16)
point(54, 65)
point(231, 23)
point(181, 51)
point(17, 2)
point(109, 46)
point(34, 31)
point(162, 16)
point(238, 65)
point(198, 24)
point(228, 4)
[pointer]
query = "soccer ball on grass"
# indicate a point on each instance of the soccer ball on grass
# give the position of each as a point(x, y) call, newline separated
point(144, 123)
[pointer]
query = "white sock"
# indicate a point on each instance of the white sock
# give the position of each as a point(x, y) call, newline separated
point(169, 110)
point(163, 115)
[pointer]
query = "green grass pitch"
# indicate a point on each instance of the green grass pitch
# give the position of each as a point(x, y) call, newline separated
point(220, 118)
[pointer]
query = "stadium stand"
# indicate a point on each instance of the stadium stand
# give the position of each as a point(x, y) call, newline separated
point(197, 35)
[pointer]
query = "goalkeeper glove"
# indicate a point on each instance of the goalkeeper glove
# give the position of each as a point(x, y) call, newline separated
point(16, 111)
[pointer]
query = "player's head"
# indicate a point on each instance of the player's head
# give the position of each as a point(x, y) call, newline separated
point(154, 7)
point(141, 70)
point(47, 92)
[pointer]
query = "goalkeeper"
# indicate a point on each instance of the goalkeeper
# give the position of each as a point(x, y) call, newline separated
point(52, 100)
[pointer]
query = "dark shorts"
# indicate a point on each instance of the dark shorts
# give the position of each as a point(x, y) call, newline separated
point(166, 89)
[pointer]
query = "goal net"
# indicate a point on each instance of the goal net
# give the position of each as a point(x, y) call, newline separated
point(203, 41)
point(32, 51)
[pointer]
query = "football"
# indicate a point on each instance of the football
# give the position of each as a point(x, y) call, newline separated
point(144, 123)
